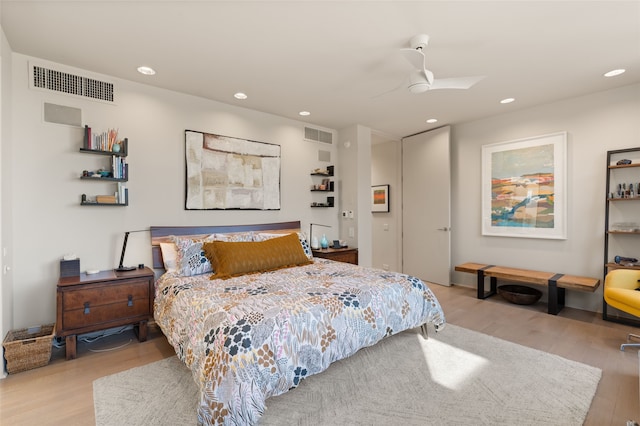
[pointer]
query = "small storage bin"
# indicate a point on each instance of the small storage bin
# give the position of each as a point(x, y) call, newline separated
point(28, 348)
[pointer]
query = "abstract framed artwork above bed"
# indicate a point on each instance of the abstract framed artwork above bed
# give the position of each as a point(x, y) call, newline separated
point(224, 172)
point(260, 334)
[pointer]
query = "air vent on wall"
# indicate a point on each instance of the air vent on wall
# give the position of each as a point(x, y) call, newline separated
point(71, 84)
point(317, 135)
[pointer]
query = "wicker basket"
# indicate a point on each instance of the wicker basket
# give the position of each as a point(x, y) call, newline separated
point(27, 348)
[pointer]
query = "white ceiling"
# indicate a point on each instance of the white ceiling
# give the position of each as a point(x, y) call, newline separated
point(340, 59)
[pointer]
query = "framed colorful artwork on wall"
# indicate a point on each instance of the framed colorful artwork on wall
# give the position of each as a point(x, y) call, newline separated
point(524, 187)
point(380, 198)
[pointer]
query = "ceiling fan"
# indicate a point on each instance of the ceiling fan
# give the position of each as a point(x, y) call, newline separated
point(422, 80)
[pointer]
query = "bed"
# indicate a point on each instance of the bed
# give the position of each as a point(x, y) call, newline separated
point(247, 336)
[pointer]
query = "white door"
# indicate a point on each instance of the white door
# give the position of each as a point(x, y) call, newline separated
point(426, 201)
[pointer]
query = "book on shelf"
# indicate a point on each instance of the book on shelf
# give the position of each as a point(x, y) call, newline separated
point(103, 141)
point(106, 199)
point(122, 193)
point(119, 167)
point(86, 144)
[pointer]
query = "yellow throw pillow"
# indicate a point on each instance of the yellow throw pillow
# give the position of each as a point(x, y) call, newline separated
point(230, 259)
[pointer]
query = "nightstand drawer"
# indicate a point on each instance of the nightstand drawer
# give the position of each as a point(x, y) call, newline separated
point(344, 257)
point(105, 294)
point(102, 314)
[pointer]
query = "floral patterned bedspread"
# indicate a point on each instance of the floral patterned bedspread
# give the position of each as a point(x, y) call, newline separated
point(255, 336)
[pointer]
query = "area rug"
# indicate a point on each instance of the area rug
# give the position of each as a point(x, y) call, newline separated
point(456, 377)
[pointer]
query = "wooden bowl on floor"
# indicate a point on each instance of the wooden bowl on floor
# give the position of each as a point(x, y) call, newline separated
point(519, 294)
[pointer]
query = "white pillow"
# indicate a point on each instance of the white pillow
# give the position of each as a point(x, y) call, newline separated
point(169, 256)
point(233, 237)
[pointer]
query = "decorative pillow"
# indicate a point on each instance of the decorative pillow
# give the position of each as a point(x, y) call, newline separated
point(169, 256)
point(185, 255)
point(263, 236)
point(191, 259)
point(235, 237)
point(230, 259)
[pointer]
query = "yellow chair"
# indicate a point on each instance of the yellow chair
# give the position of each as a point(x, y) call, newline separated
point(620, 292)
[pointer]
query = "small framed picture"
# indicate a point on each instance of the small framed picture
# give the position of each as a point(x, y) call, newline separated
point(380, 199)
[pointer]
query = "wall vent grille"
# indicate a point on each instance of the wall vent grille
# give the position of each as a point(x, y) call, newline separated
point(71, 84)
point(317, 135)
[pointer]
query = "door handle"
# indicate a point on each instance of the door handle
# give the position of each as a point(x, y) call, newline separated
point(444, 229)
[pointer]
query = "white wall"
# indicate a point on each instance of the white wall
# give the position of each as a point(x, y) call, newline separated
point(594, 124)
point(6, 276)
point(386, 227)
point(354, 161)
point(48, 221)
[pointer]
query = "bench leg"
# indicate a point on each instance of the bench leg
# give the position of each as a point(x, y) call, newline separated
point(556, 295)
point(424, 331)
point(493, 282)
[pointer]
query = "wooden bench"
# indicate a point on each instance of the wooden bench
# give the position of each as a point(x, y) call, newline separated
point(557, 283)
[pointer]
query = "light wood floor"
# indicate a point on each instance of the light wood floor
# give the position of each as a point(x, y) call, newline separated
point(62, 393)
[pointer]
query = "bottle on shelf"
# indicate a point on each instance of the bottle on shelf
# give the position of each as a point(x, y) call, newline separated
point(324, 243)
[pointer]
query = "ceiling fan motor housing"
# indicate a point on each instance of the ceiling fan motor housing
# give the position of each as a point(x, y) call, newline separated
point(419, 87)
point(419, 42)
point(418, 83)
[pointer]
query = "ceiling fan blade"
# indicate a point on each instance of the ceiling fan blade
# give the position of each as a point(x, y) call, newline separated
point(415, 57)
point(395, 89)
point(455, 83)
point(429, 76)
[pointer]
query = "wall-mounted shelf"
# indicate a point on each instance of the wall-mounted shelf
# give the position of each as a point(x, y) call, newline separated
point(110, 153)
point(116, 172)
point(103, 179)
point(104, 204)
point(326, 186)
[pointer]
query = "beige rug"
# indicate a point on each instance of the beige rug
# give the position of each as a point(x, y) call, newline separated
point(456, 377)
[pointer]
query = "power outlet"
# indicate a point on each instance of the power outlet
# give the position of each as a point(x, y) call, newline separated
point(352, 232)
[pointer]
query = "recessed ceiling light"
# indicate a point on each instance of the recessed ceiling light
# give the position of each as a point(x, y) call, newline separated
point(432, 120)
point(507, 100)
point(240, 95)
point(304, 113)
point(613, 73)
point(146, 70)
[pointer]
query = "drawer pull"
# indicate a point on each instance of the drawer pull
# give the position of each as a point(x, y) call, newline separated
point(130, 300)
point(86, 308)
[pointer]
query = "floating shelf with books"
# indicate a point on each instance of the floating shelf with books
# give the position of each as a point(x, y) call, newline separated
point(108, 200)
point(117, 171)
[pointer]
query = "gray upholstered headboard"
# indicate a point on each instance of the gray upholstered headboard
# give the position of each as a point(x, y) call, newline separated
point(161, 234)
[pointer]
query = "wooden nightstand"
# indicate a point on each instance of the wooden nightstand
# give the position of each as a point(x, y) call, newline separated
point(99, 301)
point(347, 255)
